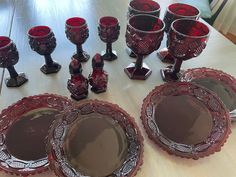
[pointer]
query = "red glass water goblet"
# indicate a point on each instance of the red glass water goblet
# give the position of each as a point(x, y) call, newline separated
point(109, 31)
point(187, 38)
point(144, 34)
point(142, 7)
point(42, 40)
point(174, 12)
point(9, 56)
point(77, 32)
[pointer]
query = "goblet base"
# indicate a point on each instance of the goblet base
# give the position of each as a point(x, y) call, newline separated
point(131, 53)
point(165, 57)
point(79, 97)
point(95, 90)
point(109, 56)
point(16, 82)
point(138, 73)
point(54, 68)
point(168, 75)
point(81, 58)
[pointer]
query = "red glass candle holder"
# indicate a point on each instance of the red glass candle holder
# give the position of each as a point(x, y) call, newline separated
point(187, 38)
point(143, 36)
point(77, 32)
point(109, 31)
point(173, 12)
point(142, 7)
point(9, 56)
point(98, 79)
point(77, 84)
point(42, 40)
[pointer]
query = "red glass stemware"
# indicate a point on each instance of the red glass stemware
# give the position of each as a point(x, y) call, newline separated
point(42, 40)
point(174, 12)
point(142, 7)
point(9, 56)
point(77, 32)
point(109, 31)
point(187, 38)
point(144, 34)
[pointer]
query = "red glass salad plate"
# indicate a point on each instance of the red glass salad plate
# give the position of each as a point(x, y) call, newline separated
point(223, 84)
point(23, 129)
point(185, 119)
point(95, 138)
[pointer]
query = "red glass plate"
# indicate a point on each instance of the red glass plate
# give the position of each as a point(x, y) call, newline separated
point(223, 84)
point(185, 119)
point(23, 129)
point(95, 138)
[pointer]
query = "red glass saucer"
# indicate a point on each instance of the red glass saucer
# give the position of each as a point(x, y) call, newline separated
point(23, 129)
point(95, 138)
point(223, 84)
point(185, 119)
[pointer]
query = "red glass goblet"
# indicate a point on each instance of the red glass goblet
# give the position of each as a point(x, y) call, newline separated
point(9, 56)
point(144, 34)
point(77, 32)
point(187, 38)
point(142, 7)
point(173, 12)
point(43, 41)
point(109, 31)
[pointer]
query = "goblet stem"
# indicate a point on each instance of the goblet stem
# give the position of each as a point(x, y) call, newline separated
point(48, 60)
point(12, 72)
point(79, 50)
point(139, 62)
point(177, 66)
point(109, 49)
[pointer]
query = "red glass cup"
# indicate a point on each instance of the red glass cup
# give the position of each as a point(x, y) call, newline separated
point(109, 31)
point(174, 12)
point(187, 38)
point(77, 32)
point(42, 40)
point(142, 7)
point(144, 34)
point(9, 56)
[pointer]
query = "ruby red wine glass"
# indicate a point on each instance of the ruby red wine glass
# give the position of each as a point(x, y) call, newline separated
point(77, 32)
point(42, 40)
point(144, 34)
point(142, 7)
point(174, 12)
point(187, 38)
point(9, 56)
point(109, 31)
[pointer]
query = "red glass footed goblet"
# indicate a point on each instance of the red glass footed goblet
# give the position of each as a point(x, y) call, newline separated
point(142, 7)
point(42, 40)
point(109, 31)
point(9, 56)
point(77, 32)
point(144, 34)
point(174, 12)
point(187, 38)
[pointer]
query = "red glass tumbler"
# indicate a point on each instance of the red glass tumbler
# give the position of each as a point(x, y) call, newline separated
point(77, 32)
point(144, 34)
point(9, 56)
point(109, 31)
point(187, 38)
point(42, 40)
point(173, 12)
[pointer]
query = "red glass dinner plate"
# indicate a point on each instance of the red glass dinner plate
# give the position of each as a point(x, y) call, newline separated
point(223, 84)
point(95, 138)
point(23, 129)
point(185, 119)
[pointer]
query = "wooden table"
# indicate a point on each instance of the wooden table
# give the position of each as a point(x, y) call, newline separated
point(128, 94)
